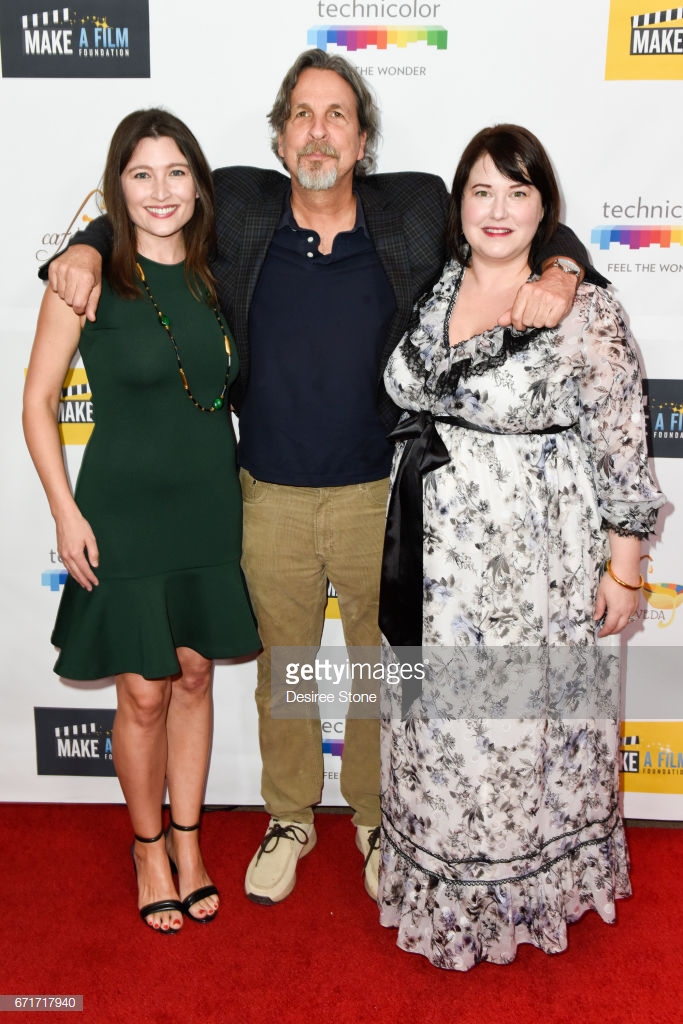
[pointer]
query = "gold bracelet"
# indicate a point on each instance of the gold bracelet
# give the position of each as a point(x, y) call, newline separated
point(629, 586)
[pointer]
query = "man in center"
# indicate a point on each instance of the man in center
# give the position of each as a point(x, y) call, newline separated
point(330, 262)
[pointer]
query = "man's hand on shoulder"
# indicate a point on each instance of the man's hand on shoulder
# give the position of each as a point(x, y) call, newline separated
point(76, 276)
point(542, 303)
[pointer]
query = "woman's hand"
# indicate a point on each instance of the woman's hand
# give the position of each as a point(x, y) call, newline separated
point(619, 603)
point(619, 600)
point(77, 548)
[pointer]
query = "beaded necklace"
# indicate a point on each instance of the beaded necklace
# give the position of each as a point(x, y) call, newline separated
point(165, 323)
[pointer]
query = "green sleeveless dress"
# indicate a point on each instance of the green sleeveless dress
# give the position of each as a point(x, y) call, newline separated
point(159, 486)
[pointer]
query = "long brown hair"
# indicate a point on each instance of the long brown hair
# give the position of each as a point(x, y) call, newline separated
point(518, 155)
point(366, 108)
point(199, 232)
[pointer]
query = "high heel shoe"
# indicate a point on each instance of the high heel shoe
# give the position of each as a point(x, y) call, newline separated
point(198, 894)
point(160, 906)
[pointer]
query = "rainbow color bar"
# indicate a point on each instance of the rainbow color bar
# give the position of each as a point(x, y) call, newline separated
point(359, 37)
point(54, 579)
point(334, 747)
point(637, 237)
point(675, 589)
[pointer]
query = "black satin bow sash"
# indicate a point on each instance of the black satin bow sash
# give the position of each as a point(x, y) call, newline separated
point(401, 585)
point(400, 601)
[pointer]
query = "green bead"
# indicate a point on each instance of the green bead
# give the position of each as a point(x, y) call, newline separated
point(165, 321)
point(218, 403)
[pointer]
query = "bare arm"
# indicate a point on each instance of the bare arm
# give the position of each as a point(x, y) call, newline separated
point(55, 342)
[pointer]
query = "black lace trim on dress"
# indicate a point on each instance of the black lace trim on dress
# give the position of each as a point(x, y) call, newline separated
point(461, 370)
point(625, 531)
point(607, 835)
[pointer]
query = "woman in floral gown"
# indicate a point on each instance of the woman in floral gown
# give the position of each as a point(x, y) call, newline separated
point(525, 457)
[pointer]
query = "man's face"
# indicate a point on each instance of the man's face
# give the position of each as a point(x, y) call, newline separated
point(322, 141)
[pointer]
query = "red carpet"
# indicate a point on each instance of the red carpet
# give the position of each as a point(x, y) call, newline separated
point(70, 927)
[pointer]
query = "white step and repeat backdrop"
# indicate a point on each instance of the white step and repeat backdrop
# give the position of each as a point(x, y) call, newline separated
point(600, 82)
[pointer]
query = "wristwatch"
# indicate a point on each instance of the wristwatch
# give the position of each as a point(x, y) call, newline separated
point(567, 266)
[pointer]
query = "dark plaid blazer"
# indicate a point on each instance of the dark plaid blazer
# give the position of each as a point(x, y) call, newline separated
point(405, 216)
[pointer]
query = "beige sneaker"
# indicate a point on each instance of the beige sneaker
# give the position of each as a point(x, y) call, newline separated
point(271, 875)
point(367, 841)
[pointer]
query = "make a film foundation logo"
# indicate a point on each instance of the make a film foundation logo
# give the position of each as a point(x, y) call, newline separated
point(644, 41)
point(651, 757)
point(332, 607)
point(74, 741)
point(664, 417)
point(63, 42)
point(75, 413)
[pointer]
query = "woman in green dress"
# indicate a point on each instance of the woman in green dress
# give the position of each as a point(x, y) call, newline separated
point(151, 539)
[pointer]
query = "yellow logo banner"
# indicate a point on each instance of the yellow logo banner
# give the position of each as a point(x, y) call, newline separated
point(644, 41)
point(652, 757)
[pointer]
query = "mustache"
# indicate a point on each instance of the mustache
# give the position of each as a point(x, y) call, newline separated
point(323, 148)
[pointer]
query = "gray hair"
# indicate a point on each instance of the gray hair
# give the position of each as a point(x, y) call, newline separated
point(366, 108)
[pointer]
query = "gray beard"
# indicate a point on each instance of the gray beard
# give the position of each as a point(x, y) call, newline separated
point(316, 180)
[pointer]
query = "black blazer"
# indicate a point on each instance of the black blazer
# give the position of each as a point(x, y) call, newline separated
point(405, 216)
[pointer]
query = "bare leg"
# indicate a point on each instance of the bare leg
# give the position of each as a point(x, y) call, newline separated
point(140, 749)
point(188, 728)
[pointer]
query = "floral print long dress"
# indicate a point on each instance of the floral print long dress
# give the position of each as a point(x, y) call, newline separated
point(501, 829)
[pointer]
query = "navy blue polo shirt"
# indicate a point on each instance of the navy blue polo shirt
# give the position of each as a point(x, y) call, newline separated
point(317, 326)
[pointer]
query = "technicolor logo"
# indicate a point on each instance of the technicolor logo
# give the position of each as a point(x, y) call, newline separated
point(641, 223)
point(636, 237)
point(644, 44)
point(360, 37)
point(67, 43)
point(651, 757)
point(54, 579)
point(333, 741)
point(73, 741)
